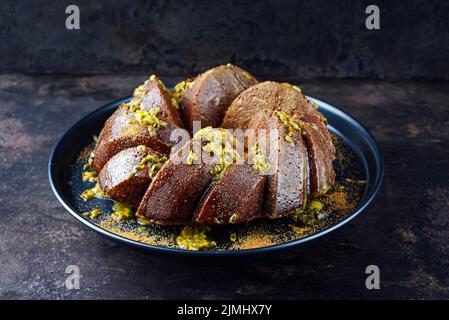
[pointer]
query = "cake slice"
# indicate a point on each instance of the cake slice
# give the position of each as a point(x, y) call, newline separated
point(321, 176)
point(235, 198)
point(275, 96)
point(279, 138)
point(148, 119)
point(211, 93)
point(127, 175)
point(176, 190)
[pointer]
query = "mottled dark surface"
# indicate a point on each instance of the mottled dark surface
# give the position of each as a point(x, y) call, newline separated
point(292, 39)
point(405, 232)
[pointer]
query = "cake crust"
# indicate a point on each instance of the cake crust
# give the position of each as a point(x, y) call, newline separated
point(126, 176)
point(131, 125)
point(211, 93)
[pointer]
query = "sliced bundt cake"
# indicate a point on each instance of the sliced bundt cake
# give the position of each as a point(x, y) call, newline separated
point(148, 119)
point(320, 155)
point(127, 175)
point(234, 198)
point(279, 135)
point(174, 194)
point(218, 177)
point(275, 96)
point(210, 94)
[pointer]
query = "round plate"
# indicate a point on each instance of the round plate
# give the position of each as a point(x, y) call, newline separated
point(350, 130)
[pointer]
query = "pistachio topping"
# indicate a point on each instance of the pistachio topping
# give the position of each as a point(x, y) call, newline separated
point(191, 157)
point(179, 91)
point(142, 148)
point(89, 176)
point(247, 75)
point(88, 165)
point(233, 218)
point(141, 90)
point(144, 222)
point(122, 212)
point(149, 118)
point(153, 162)
point(93, 214)
point(162, 85)
point(297, 88)
point(134, 104)
point(309, 214)
point(314, 205)
point(95, 192)
point(221, 143)
point(291, 123)
point(300, 230)
point(194, 238)
point(322, 117)
point(260, 163)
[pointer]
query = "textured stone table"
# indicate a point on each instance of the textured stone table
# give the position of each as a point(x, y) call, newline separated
point(405, 232)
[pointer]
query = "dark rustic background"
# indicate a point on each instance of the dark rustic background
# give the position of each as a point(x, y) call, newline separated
point(50, 77)
point(288, 39)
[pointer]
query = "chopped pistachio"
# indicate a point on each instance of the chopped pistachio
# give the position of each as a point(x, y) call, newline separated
point(142, 148)
point(322, 117)
point(233, 218)
point(191, 157)
point(247, 75)
point(93, 214)
point(144, 222)
point(300, 230)
point(175, 103)
point(153, 162)
point(141, 90)
point(95, 192)
point(122, 212)
point(89, 176)
point(194, 238)
point(315, 205)
point(220, 143)
point(134, 104)
point(179, 91)
point(291, 123)
point(260, 163)
point(149, 118)
point(162, 85)
point(309, 214)
point(88, 165)
point(297, 88)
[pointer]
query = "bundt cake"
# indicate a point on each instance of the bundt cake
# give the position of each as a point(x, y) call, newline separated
point(260, 150)
point(127, 175)
point(210, 94)
point(287, 156)
point(148, 119)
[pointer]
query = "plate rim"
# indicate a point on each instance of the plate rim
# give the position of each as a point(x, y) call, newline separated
point(378, 179)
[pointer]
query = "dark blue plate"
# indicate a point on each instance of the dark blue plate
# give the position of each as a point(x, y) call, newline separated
point(347, 128)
